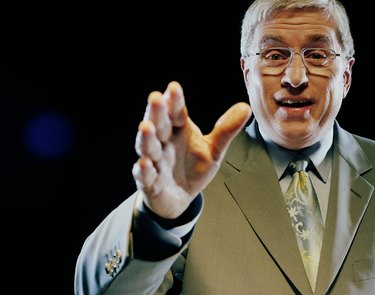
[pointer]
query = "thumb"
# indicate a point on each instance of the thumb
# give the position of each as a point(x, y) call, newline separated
point(227, 127)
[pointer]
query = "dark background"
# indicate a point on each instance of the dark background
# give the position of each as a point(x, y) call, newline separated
point(74, 80)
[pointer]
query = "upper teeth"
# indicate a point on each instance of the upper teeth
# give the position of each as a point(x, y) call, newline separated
point(289, 101)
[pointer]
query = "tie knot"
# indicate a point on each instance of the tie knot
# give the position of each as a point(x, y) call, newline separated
point(299, 165)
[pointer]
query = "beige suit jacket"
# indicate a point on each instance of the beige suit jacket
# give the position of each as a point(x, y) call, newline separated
point(243, 242)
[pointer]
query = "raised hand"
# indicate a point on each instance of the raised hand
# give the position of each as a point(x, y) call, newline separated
point(176, 161)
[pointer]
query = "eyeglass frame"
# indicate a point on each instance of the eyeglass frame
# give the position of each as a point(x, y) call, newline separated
point(331, 57)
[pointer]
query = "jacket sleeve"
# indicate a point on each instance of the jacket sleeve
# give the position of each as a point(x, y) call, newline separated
point(108, 264)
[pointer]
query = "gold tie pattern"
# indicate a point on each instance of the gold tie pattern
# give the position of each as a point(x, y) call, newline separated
point(306, 219)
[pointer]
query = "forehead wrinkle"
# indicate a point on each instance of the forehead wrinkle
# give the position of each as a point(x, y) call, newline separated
point(272, 39)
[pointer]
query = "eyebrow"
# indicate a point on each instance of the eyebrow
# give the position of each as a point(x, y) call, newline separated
point(315, 38)
point(320, 38)
point(271, 39)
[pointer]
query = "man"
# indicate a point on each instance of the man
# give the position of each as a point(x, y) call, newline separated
point(250, 237)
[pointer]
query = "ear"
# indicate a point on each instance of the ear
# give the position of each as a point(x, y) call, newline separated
point(245, 69)
point(348, 76)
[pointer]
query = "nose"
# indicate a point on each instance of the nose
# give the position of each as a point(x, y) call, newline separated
point(295, 74)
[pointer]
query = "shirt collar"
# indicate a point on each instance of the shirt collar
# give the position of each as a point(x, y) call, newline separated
point(319, 153)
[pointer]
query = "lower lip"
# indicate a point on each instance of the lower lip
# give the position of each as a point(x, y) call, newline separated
point(296, 113)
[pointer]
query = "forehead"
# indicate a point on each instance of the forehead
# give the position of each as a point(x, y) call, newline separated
point(297, 28)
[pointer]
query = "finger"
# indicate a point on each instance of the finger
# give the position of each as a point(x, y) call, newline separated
point(175, 99)
point(157, 112)
point(144, 174)
point(227, 127)
point(146, 142)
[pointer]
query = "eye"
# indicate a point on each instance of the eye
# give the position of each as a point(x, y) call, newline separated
point(316, 53)
point(275, 54)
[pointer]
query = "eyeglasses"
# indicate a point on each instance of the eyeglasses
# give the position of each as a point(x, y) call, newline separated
point(276, 59)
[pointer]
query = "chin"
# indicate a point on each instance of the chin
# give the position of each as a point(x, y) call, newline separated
point(294, 136)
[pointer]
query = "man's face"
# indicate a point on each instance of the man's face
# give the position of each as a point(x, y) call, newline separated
point(296, 105)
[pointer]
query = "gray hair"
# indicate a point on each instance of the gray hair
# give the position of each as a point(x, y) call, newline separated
point(262, 10)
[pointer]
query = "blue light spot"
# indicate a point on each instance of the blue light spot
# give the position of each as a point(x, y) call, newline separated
point(49, 135)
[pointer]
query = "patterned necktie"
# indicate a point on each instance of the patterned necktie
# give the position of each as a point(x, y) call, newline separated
point(306, 219)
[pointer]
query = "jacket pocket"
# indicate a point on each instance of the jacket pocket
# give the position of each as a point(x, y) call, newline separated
point(363, 270)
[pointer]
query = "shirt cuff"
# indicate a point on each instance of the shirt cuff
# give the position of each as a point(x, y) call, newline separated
point(179, 226)
point(156, 238)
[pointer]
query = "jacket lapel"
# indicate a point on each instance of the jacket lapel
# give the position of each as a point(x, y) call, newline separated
point(263, 206)
point(349, 197)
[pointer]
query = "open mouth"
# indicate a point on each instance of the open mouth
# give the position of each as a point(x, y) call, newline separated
point(294, 103)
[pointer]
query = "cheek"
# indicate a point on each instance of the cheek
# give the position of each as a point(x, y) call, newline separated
point(337, 82)
point(259, 87)
point(333, 99)
point(336, 89)
point(261, 95)
point(255, 91)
